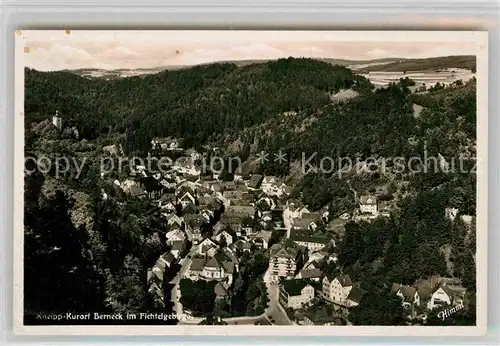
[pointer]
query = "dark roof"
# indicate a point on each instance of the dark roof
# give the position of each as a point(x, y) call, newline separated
point(310, 273)
point(322, 314)
point(240, 244)
point(286, 248)
point(240, 210)
point(316, 217)
point(220, 290)
point(345, 280)
point(255, 181)
point(305, 235)
point(371, 200)
point(408, 293)
point(197, 264)
point(136, 191)
point(295, 286)
point(355, 294)
point(177, 245)
point(168, 257)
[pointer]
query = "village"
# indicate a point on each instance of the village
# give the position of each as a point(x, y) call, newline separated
point(212, 223)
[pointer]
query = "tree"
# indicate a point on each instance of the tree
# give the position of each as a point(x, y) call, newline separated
point(124, 289)
point(378, 309)
point(198, 296)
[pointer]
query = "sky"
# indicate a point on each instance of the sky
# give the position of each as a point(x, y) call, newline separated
point(49, 50)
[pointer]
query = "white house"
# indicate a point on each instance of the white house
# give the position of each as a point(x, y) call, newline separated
point(292, 211)
point(295, 293)
point(368, 204)
point(206, 245)
point(284, 259)
point(337, 289)
point(451, 213)
point(175, 235)
point(273, 186)
point(409, 295)
point(441, 295)
point(224, 234)
point(219, 268)
point(168, 206)
point(173, 219)
point(187, 198)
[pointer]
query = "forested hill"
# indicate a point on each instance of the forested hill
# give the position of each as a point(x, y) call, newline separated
point(192, 104)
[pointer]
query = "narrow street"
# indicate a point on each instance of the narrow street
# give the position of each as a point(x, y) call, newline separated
point(275, 313)
point(176, 293)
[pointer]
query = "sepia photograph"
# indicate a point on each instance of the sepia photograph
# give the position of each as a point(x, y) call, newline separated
point(307, 181)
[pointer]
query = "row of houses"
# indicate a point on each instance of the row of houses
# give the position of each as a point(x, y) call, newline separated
point(301, 294)
point(431, 293)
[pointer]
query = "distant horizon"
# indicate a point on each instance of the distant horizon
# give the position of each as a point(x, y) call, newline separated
point(349, 62)
point(54, 50)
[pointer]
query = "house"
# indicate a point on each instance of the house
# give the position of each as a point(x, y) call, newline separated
point(155, 276)
point(322, 315)
point(194, 222)
point(178, 247)
point(187, 198)
point(437, 291)
point(265, 203)
point(255, 182)
point(262, 238)
point(230, 222)
point(196, 268)
point(167, 205)
point(451, 213)
point(168, 143)
point(242, 245)
point(354, 296)
point(337, 289)
point(314, 260)
point(313, 274)
point(368, 204)
point(293, 210)
point(228, 197)
point(173, 219)
point(164, 261)
point(272, 186)
point(295, 293)
point(307, 221)
point(220, 267)
point(224, 233)
point(313, 241)
point(285, 258)
point(409, 295)
point(206, 245)
point(175, 235)
point(440, 295)
point(241, 211)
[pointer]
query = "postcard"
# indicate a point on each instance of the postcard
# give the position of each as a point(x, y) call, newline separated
point(194, 182)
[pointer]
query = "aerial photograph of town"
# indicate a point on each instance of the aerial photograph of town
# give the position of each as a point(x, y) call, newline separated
point(241, 178)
